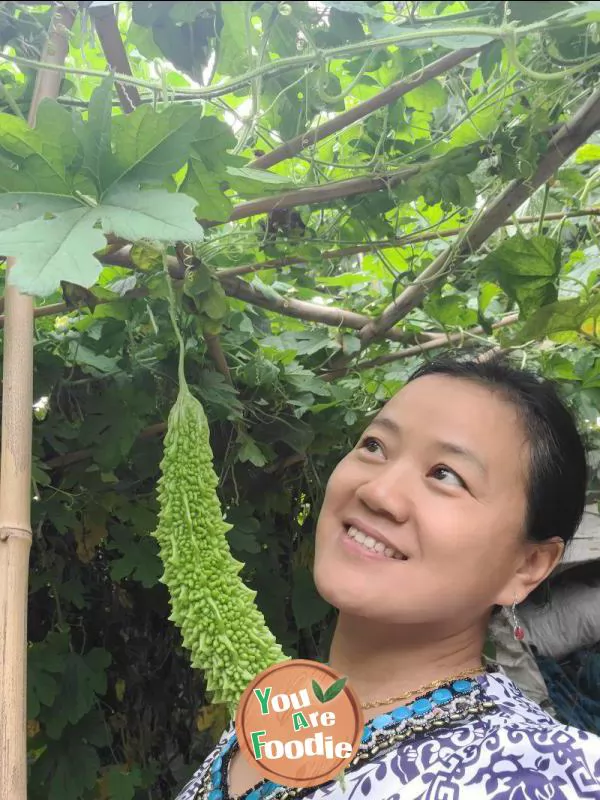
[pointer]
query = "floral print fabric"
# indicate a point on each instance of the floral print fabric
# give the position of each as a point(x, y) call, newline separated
point(517, 752)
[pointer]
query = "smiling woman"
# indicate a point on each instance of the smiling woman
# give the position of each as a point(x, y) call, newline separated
point(460, 497)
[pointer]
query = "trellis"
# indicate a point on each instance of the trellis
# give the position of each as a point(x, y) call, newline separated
point(15, 527)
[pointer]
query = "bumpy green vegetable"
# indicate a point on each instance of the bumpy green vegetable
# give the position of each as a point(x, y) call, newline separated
point(219, 620)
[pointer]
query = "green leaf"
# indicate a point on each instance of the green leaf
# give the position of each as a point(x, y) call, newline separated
point(55, 121)
point(153, 215)
point(17, 208)
point(82, 681)
point(490, 57)
point(265, 289)
point(38, 156)
point(243, 542)
point(150, 146)
point(479, 124)
point(318, 692)
point(45, 661)
point(234, 47)
point(50, 250)
point(146, 257)
point(216, 391)
point(426, 97)
point(335, 688)
point(249, 182)
point(198, 280)
point(140, 560)
point(250, 451)
point(213, 138)
point(122, 785)
point(308, 606)
point(214, 304)
point(68, 768)
point(205, 188)
point(350, 344)
point(564, 315)
point(97, 152)
point(527, 270)
point(586, 153)
point(79, 354)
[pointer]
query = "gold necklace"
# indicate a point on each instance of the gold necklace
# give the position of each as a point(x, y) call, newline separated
point(422, 689)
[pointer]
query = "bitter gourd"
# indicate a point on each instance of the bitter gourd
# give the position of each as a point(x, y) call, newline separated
point(219, 620)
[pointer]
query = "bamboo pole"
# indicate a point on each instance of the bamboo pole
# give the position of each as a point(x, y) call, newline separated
point(15, 481)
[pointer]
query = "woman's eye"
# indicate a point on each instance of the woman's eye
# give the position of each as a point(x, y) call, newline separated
point(445, 472)
point(370, 445)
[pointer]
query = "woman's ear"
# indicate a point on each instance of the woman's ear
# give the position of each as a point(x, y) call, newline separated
point(538, 561)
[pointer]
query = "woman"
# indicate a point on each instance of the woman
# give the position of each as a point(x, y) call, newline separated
point(459, 498)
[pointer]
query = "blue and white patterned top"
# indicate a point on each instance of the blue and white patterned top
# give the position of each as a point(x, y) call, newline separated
point(517, 752)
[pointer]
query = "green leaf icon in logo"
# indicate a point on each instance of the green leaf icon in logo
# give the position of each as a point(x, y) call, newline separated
point(318, 692)
point(333, 691)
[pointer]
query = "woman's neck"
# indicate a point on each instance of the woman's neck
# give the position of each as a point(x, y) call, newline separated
point(382, 660)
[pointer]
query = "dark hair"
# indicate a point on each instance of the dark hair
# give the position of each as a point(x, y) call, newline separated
point(557, 469)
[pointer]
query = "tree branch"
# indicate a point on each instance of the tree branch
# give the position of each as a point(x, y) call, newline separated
point(340, 121)
point(116, 55)
point(401, 241)
point(300, 309)
point(235, 287)
point(60, 308)
point(463, 337)
point(570, 136)
point(318, 194)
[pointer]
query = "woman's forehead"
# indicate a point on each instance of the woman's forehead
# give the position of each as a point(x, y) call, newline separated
point(455, 405)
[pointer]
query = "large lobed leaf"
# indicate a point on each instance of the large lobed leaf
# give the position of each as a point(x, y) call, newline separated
point(48, 251)
point(36, 160)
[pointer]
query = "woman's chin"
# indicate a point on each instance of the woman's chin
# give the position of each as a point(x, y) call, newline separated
point(345, 595)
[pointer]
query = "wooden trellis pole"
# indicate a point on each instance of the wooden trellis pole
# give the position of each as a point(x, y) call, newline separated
point(15, 481)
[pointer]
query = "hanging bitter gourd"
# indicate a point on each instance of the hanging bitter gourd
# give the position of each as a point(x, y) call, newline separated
point(219, 620)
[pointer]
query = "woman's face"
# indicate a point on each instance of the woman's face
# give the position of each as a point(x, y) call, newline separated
point(439, 478)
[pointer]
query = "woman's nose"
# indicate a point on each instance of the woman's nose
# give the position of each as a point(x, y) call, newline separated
point(388, 493)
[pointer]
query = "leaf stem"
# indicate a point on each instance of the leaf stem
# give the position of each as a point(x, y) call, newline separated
point(173, 317)
point(540, 229)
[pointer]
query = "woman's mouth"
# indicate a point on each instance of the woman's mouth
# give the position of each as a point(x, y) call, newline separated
point(370, 545)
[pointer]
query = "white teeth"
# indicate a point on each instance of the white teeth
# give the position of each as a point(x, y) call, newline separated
point(372, 544)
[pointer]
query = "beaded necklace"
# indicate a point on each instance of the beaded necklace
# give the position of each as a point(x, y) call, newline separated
point(448, 704)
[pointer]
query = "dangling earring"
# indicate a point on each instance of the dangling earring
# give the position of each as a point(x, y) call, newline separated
point(518, 631)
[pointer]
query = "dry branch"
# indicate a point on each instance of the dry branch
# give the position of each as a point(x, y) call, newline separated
point(15, 479)
point(570, 136)
point(110, 38)
point(300, 309)
point(234, 287)
point(463, 338)
point(401, 241)
point(384, 98)
point(318, 194)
